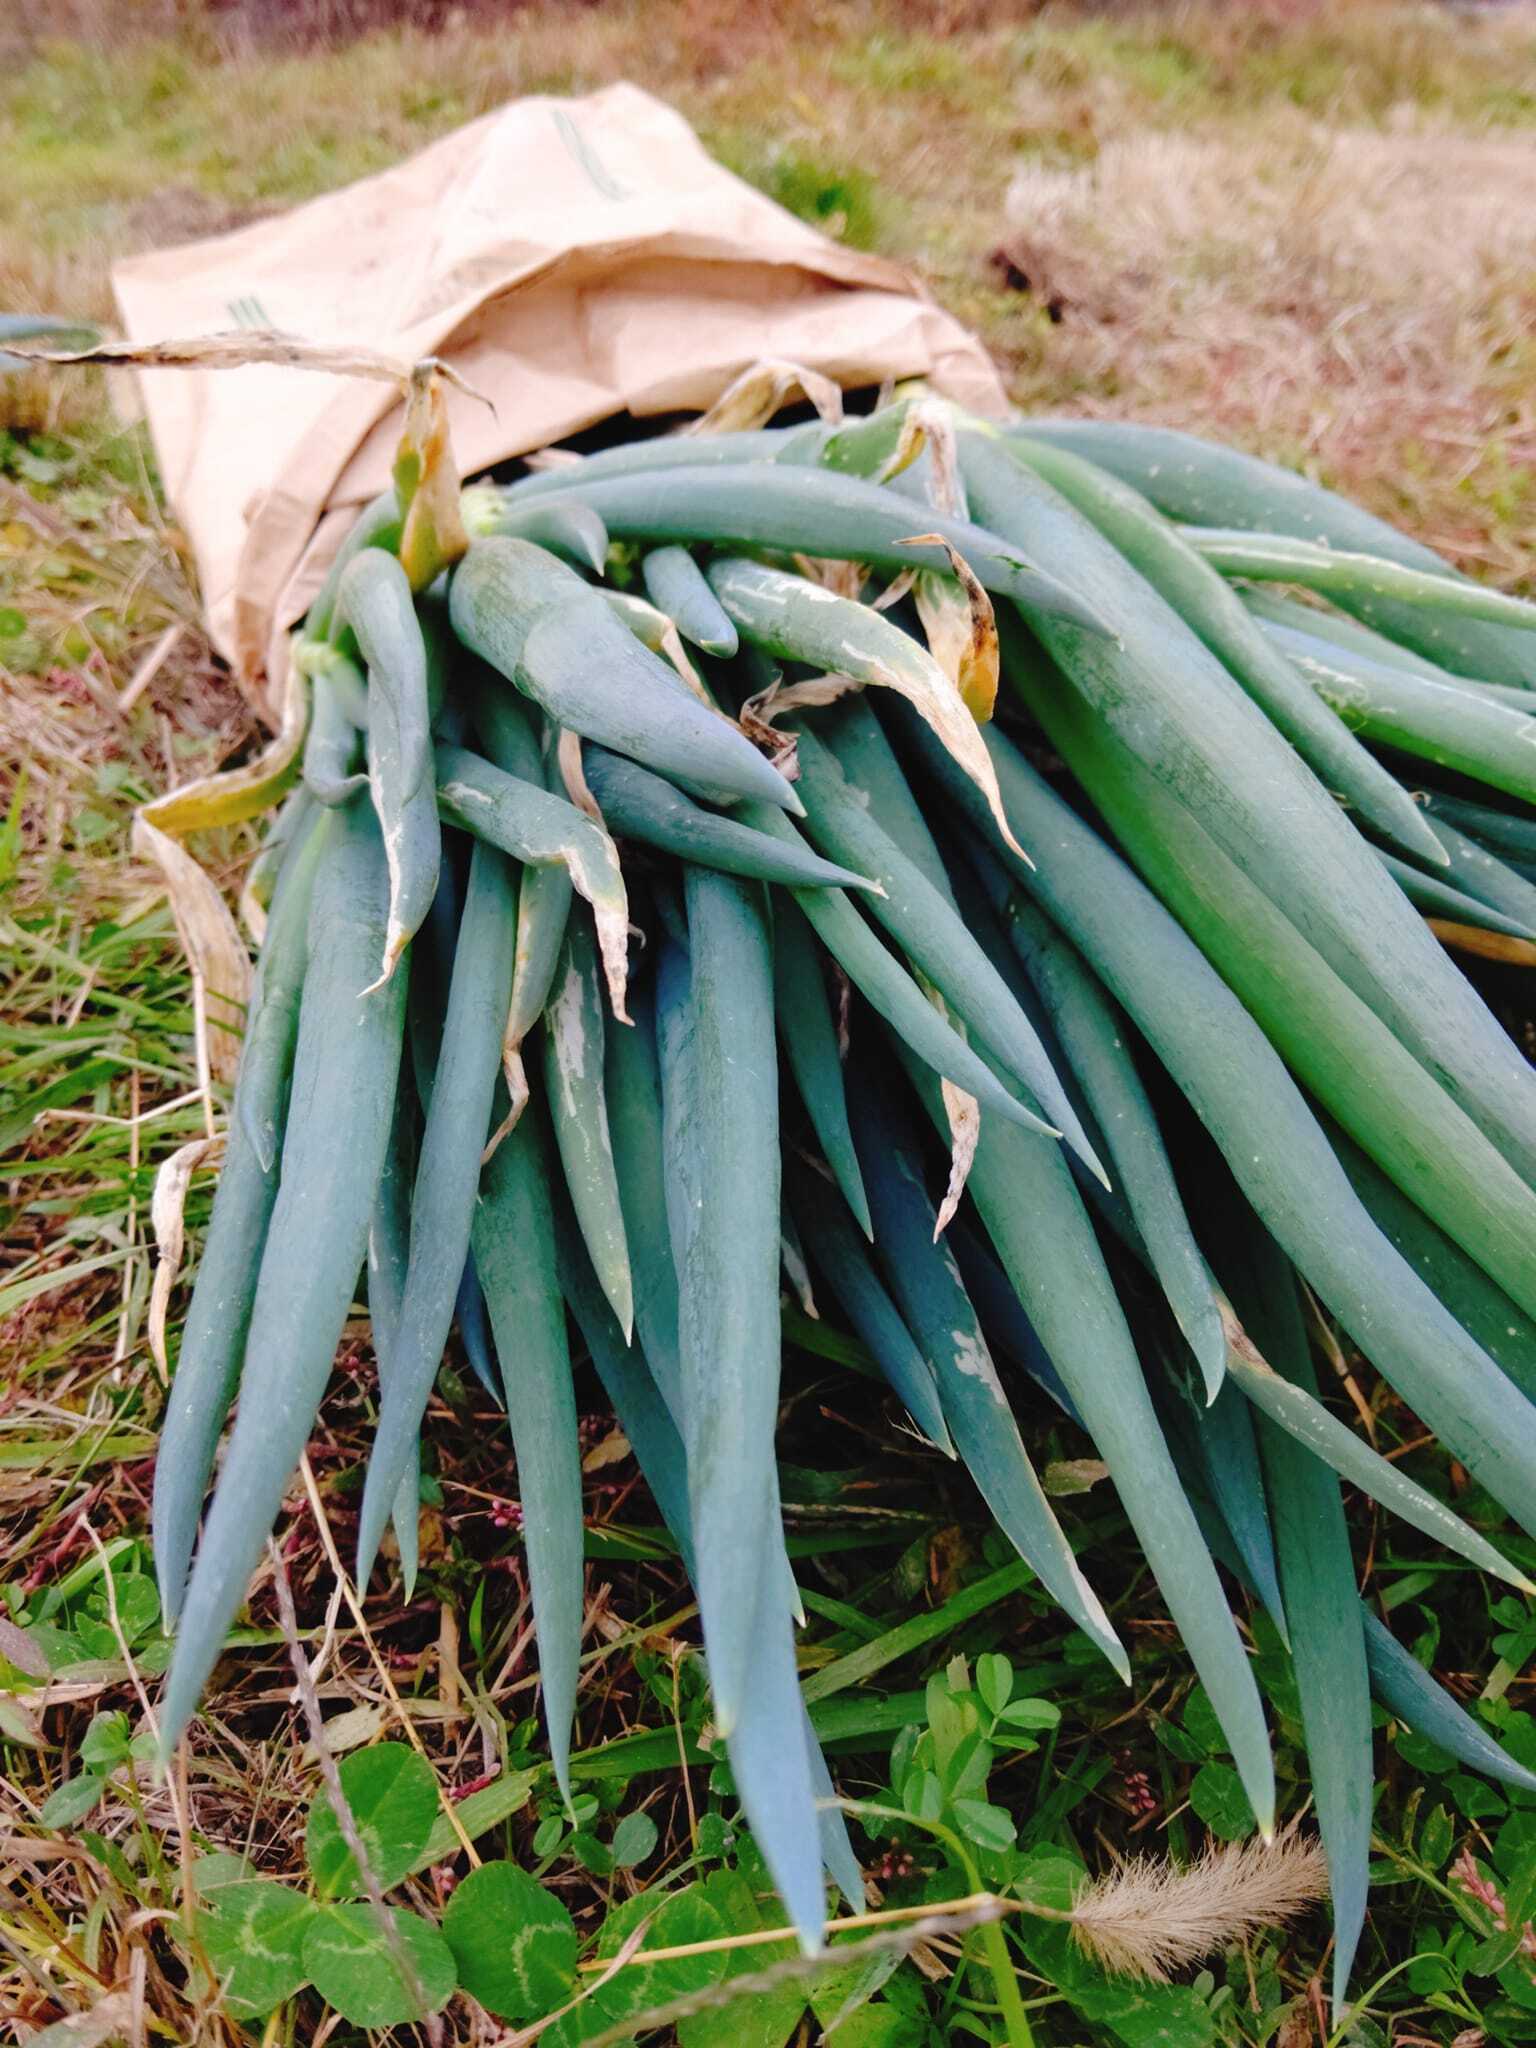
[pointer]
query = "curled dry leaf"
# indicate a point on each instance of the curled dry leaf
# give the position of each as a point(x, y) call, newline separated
point(573, 775)
point(216, 953)
point(843, 579)
point(221, 967)
point(1469, 938)
point(963, 1114)
point(961, 629)
point(167, 1212)
point(763, 389)
point(432, 535)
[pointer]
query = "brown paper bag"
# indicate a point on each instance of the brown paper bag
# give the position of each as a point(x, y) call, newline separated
point(572, 259)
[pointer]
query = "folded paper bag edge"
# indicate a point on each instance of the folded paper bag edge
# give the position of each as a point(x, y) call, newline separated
point(213, 451)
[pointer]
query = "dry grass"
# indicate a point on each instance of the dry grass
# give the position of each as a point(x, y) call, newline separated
point(1362, 300)
point(1307, 228)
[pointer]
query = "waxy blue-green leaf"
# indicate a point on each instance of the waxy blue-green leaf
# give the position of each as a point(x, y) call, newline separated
point(377, 526)
point(573, 1078)
point(1214, 611)
point(808, 1033)
point(675, 584)
point(1024, 1193)
point(853, 732)
point(1241, 1091)
point(345, 1070)
point(218, 1316)
point(389, 1258)
point(930, 932)
point(848, 1268)
point(1485, 875)
point(1511, 834)
point(1095, 1037)
point(803, 621)
point(1198, 481)
point(543, 831)
point(1398, 1680)
point(447, 1180)
point(888, 988)
point(536, 622)
point(1158, 691)
point(374, 599)
point(726, 1248)
point(514, 1247)
point(1343, 1050)
point(1454, 727)
point(1355, 580)
point(810, 512)
point(921, 1273)
point(333, 747)
point(1435, 898)
point(639, 805)
point(565, 527)
point(1479, 1304)
point(632, 1093)
point(1317, 1585)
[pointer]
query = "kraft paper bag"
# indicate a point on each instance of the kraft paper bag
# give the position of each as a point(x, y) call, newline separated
point(571, 259)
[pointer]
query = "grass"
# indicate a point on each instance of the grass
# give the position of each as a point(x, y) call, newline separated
point(1302, 228)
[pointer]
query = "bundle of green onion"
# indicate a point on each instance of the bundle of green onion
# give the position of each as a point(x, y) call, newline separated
point(886, 974)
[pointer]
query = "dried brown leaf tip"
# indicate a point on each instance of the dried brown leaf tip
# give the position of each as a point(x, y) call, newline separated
point(1152, 1917)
